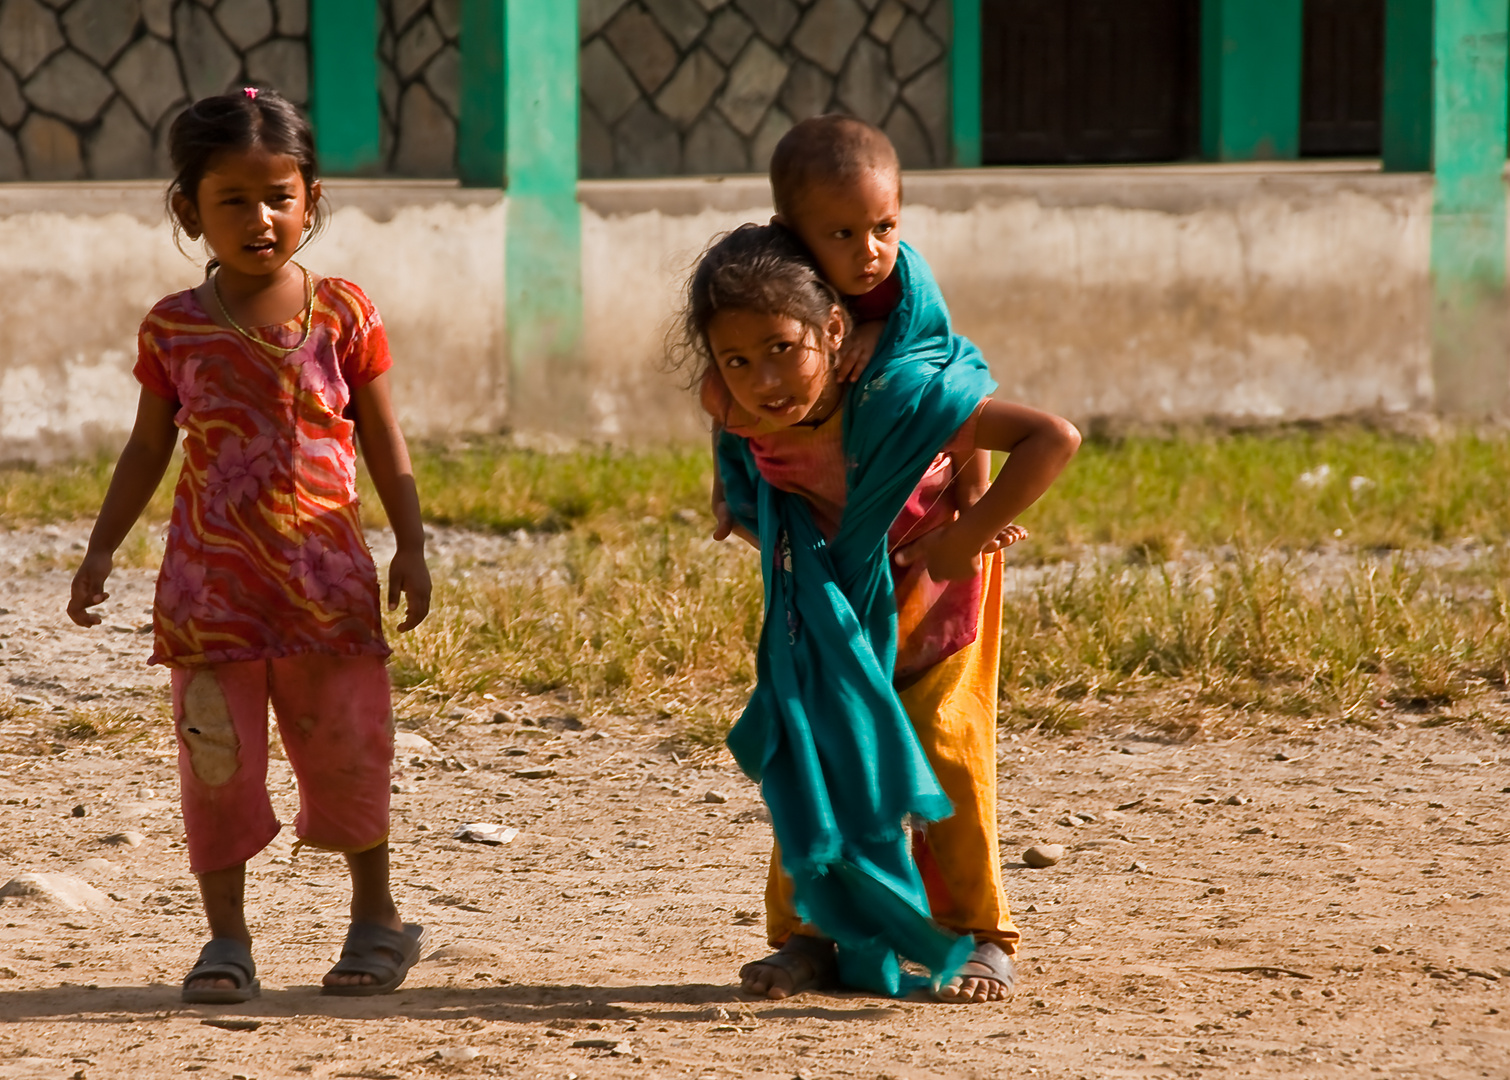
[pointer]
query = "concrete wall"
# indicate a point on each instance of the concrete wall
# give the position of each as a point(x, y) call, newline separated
point(80, 264)
point(1147, 295)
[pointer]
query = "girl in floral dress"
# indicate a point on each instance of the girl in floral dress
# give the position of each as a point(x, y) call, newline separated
point(268, 593)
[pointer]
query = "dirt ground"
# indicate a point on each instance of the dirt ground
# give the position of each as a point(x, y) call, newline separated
point(1314, 903)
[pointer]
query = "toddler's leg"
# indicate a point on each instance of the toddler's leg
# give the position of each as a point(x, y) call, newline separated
point(220, 716)
point(335, 716)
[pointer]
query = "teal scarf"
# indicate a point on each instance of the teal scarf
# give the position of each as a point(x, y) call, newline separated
point(824, 733)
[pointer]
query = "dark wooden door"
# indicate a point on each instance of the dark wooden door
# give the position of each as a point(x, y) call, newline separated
point(1079, 81)
point(1342, 92)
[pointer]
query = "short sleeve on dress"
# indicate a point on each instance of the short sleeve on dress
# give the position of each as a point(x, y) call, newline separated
point(364, 355)
point(963, 440)
point(151, 368)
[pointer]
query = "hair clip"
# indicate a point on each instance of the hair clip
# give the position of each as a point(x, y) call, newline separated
point(250, 91)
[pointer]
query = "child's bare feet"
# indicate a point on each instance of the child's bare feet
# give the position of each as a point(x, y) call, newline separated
point(801, 963)
point(988, 975)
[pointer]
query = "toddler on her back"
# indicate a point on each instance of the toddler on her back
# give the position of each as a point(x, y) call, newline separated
point(836, 183)
point(876, 699)
point(267, 591)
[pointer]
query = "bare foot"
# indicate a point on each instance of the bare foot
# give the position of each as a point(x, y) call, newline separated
point(763, 979)
point(802, 963)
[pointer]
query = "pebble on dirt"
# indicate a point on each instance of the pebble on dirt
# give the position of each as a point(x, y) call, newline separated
point(484, 832)
point(1041, 855)
point(80, 811)
point(715, 797)
point(59, 890)
point(407, 742)
point(129, 838)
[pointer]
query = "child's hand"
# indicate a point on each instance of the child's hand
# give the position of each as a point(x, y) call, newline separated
point(89, 587)
point(856, 350)
point(946, 560)
point(408, 574)
point(723, 521)
point(1012, 534)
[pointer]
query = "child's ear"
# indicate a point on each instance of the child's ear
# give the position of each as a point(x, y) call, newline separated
point(187, 214)
point(315, 191)
point(834, 331)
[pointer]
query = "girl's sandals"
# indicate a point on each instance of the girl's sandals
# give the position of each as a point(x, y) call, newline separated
point(808, 962)
point(998, 968)
point(372, 949)
point(223, 958)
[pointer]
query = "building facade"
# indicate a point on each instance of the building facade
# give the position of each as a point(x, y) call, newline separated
point(705, 87)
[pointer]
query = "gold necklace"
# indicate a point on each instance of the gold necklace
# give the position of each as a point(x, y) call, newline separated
point(308, 320)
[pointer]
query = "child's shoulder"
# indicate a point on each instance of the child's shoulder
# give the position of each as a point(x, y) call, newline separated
point(175, 312)
point(346, 299)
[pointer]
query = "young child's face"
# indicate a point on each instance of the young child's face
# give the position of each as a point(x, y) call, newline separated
point(852, 229)
point(775, 367)
point(252, 209)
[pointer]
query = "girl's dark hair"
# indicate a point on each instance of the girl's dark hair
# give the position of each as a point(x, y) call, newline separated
point(234, 122)
point(760, 268)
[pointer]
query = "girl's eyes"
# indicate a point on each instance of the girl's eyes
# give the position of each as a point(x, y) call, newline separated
point(843, 234)
point(735, 362)
point(884, 228)
point(276, 200)
point(781, 347)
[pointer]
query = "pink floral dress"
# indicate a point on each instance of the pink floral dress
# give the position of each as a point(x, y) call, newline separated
point(265, 556)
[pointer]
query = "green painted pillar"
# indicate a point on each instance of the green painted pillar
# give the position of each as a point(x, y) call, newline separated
point(343, 91)
point(543, 226)
point(479, 135)
point(1250, 79)
point(965, 83)
point(1406, 133)
point(1469, 97)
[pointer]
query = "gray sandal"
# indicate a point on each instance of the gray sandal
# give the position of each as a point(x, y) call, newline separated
point(997, 963)
point(386, 955)
point(222, 958)
point(810, 962)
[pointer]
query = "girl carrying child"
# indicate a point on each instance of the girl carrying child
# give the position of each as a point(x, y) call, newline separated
point(267, 591)
point(876, 694)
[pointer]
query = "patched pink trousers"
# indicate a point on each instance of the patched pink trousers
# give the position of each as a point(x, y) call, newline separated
point(335, 717)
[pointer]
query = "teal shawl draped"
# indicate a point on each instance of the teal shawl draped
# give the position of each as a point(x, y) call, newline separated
point(825, 733)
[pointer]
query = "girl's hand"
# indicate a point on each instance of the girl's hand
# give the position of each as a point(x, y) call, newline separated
point(723, 521)
point(408, 574)
point(857, 349)
point(89, 587)
point(946, 559)
point(1012, 534)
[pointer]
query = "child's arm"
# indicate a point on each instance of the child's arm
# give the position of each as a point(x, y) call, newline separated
point(972, 476)
point(1039, 446)
point(856, 350)
point(387, 458)
point(724, 524)
point(137, 474)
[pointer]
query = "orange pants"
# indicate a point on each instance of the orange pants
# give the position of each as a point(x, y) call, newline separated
point(953, 710)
